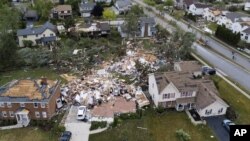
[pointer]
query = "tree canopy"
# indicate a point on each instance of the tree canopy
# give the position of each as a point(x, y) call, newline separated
point(43, 8)
point(97, 11)
point(109, 14)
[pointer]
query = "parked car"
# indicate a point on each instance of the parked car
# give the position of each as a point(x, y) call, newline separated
point(208, 70)
point(227, 123)
point(65, 136)
point(81, 114)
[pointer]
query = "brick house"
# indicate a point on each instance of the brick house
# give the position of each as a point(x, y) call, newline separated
point(26, 100)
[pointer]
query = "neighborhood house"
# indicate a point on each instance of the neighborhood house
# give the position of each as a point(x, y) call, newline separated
point(86, 8)
point(197, 9)
point(180, 90)
point(123, 6)
point(27, 99)
point(61, 12)
point(43, 35)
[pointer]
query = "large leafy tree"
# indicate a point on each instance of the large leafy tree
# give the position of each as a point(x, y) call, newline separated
point(9, 18)
point(97, 11)
point(109, 14)
point(43, 8)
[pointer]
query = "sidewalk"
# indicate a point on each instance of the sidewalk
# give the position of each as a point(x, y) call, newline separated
point(11, 127)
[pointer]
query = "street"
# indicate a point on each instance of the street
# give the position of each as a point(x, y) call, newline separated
point(239, 73)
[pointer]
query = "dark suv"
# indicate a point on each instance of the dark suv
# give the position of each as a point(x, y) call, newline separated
point(66, 135)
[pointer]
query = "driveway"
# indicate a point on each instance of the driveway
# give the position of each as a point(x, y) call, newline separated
point(79, 129)
point(215, 124)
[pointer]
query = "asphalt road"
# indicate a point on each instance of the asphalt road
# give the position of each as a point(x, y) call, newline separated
point(235, 72)
point(215, 123)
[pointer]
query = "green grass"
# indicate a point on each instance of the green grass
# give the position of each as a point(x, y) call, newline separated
point(212, 26)
point(26, 134)
point(178, 14)
point(235, 99)
point(159, 128)
point(32, 73)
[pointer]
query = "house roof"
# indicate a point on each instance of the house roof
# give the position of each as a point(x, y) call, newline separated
point(185, 100)
point(149, 20)
point(31, 13)
point(161, 81)
point(187, 66)
point(86, 7)
point(234, 15)
point(247, 30)
point(188, 2)
point(103, 26)
point(201, 5)
point(63, 8)
point(28, 90)
point(207, 95)
point(36, 30)
point(123, 3)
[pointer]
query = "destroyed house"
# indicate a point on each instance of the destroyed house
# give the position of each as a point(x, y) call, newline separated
point(25, 100)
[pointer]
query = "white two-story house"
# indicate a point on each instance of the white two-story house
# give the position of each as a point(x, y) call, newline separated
point(123, 6)
point(197, 9)
point(43, 35)
point(228, 18)
point(178, 89)
point(245, 35)
point(86, 8)
point(240, 24)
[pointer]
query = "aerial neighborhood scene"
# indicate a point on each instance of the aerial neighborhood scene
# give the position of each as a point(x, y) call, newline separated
point(124, 70)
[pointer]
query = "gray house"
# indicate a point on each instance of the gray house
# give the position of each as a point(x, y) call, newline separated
point(123, 6)
point(86, 8)
point(146, 28)
point(43, 35)
point(30, 15)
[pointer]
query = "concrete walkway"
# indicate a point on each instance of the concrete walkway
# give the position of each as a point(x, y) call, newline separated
point(11, 127)
point(98, 130)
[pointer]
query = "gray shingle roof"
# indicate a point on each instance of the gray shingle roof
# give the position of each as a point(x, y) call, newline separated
point(104, 26)
point(31, 13)
point(86, 7)
point(123, 3)
point(201, 5)
point(149, 20)
point(234, 15)
point(36, 30)
point(247, 30)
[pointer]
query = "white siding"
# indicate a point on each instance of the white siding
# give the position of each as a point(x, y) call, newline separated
point(33, 38)
point(153, 90)
point(216, 106)
point(195, 11)
point(169, 89)
point(245, 37)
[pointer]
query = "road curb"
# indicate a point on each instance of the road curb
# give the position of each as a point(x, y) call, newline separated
point(221, 76)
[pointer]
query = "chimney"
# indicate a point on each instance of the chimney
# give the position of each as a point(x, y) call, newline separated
point(44, 81)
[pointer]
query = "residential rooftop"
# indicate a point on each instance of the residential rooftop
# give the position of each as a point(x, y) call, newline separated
point(28, 90)
point(63, 8)
point(187, 66)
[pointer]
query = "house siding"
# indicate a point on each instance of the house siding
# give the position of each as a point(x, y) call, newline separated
point(216, 106)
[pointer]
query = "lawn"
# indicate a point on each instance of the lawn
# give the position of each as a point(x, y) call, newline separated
point(212, 26)
point(235, 99)
point(155, 128)
point(31, 73)
point(26, 134)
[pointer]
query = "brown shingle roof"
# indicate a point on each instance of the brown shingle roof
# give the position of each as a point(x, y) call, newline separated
point(187, 66)
point(63, 8)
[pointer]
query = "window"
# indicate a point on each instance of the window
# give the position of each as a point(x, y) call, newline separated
point(166, 96)
point(35, 105)
point(44, 114)
point(1, 104)
point(51, 34)
point(36, 35)
point(246, 37)
point(24, 36)
point(172, 95)
point(4, 114)
point(43, 35)
point(22, 105)
point(208, 112)
point(220, 111)
point(68, 11)
point(37, 114)
point(153, 85)
point(11, 113)
point(9, 105)
point(42, 105)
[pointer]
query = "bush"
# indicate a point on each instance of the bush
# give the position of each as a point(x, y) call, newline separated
point(160, 109)
point(182, 135)
point(27, 43)
point(190, 16)
point(150, 2)
point(227, 35)
point(98, 124)
point(230, 114)
point(232, 9)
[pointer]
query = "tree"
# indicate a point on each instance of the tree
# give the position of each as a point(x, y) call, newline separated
point(97, 11)
point(137, 10)
point(8, 48)
point(75, 5)
point(182, 135)
point(169, 3)
point(43, 8)
point(8, 18)
point(109, 14)
point(69, 22)
point(131, 24)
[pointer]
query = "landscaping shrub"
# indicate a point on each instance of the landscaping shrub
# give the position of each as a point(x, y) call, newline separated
point(227, 35)
point(27, 43)
point(230, 114)
point(190, 16)
point(232, 9)
point(182, 135)
point(98, 124)
point(160, 109)
point(150, 2)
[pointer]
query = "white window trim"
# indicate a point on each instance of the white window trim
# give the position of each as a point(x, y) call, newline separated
point(2, 104)
point(43, 105)
point(4, 114)
point(37, 114)
point(9, 105)
point(44, 114)
point(36, 105)
point(22, 104)
point(11, 113)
